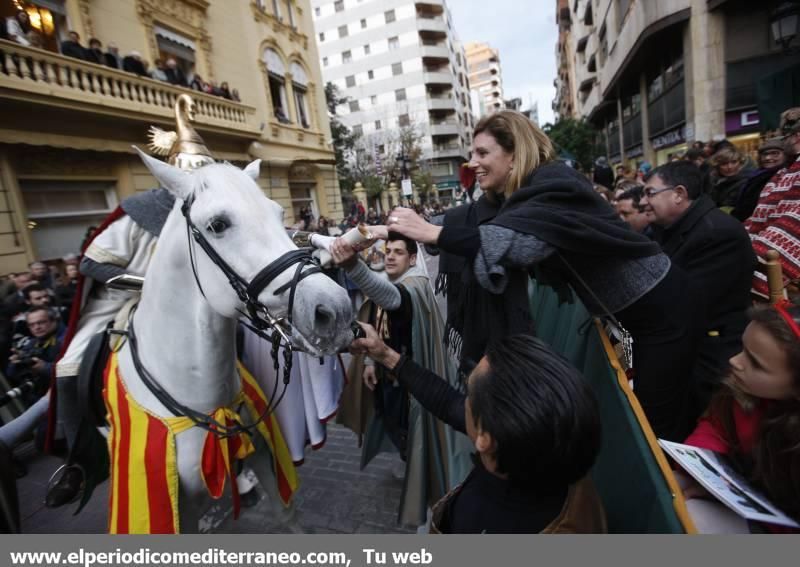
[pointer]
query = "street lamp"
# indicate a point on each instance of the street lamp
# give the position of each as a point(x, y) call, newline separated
point(784, 20)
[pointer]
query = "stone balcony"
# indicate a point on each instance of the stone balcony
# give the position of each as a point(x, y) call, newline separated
point(33, 76)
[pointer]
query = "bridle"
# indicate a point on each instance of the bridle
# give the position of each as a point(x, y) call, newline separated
point(260, 320)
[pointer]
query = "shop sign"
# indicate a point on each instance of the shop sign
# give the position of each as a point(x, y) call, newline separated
point(634, 152)
point(739, 120)
point(671, 138)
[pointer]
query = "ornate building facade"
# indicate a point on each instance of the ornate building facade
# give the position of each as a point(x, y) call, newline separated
point(67, 125)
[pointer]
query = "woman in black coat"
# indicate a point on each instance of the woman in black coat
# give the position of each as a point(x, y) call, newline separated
point(540, 217)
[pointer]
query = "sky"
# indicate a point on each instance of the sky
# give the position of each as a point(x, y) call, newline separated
point(525, 33)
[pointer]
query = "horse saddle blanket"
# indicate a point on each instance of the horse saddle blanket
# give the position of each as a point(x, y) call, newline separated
point(143, 495)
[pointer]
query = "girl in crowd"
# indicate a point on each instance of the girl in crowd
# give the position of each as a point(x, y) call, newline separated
point(540, 216)
point(755, 420)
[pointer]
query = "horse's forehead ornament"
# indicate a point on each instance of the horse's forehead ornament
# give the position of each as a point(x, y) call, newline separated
point(183, 146)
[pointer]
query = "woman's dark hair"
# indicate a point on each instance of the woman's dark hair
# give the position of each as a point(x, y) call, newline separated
point(774, 464)
point(539, 410)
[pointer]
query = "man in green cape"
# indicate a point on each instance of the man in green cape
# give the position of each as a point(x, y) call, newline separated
point(403, 309)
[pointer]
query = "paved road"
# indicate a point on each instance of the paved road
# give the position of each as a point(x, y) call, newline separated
point(334, 495)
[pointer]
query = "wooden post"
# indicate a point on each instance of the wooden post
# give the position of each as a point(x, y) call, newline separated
point(775, 277)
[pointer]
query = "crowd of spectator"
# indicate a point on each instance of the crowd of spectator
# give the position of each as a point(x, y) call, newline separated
point(18, 29)
point(34, 309)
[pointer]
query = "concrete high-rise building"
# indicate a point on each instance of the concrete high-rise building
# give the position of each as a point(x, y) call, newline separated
point(400, 63)
point(66, 156)
point(566, 102)
point(485, 77)
point(654, 77)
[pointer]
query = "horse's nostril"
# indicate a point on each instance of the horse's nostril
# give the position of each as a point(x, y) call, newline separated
point(324, 316)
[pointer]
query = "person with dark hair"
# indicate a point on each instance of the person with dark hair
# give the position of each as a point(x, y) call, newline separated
point(632, 212)
point(539, 216)
point(714, 250)
point(403, 309)
point(695, 156)
point(72, 47)
point(132, 63)
point(753, 418)
point(535, 426)
point(602, 174)
point(95, 52)
point(18, 27)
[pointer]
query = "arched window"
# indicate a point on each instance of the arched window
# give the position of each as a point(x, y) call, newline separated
point(300, 88)
point(276, 75)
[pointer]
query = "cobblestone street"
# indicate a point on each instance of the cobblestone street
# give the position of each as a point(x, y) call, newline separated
point(334, 496)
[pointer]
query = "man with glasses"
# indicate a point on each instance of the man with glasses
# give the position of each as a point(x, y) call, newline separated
point(775, 222)
point(715, 252)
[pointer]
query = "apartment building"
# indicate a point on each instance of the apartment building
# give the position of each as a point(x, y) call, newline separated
point(400, 63)
point(485, 76)
point(656, 76)
point(68, 124)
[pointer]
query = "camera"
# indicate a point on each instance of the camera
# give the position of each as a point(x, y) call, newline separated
point(27, 350)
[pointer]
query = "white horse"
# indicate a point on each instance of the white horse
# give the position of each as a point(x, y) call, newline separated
point(185, 323)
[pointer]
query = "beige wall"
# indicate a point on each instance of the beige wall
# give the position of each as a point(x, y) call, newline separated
point(230, 36)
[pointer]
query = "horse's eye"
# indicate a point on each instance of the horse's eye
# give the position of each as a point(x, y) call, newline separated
point(218, 225)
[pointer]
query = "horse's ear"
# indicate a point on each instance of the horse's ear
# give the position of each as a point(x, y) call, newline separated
point(253, 169)
point(174, 180)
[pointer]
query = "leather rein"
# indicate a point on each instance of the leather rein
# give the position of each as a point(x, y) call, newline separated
point(259, 320)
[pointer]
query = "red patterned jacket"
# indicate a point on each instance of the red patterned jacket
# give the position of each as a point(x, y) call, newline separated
point(775, 225)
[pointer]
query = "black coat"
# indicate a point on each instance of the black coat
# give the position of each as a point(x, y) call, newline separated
point(133, 65)
point(73, 49)
point(112, 60)
point(715, 251)
point(95, 56)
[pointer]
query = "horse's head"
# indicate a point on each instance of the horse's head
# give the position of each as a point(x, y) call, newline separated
point(245, 229)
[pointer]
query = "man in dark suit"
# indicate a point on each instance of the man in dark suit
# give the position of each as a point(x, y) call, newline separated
point(112, 57)
point(72, 47)
point(715, 251)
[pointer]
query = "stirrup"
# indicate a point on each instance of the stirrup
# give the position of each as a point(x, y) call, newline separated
point(57, 477)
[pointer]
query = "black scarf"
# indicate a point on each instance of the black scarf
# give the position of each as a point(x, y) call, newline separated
point(558, 205)
point(474, 315)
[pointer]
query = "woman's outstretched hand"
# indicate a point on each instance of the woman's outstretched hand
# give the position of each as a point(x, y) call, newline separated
point(410, 224)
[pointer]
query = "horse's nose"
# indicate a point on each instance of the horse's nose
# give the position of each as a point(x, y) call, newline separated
point(324, 318)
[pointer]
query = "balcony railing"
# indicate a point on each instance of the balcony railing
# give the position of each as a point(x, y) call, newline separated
point(89, 86)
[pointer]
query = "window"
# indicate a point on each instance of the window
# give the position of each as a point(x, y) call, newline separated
point(276, 77)
point(316, 11)
point(389, 16)
point(61, 211)
point(382, 149)
point(400, 95)
point(366, 49)
point(300, 88)
point(358, 130)
point(378, 126)
point(354, 106)
point(276, 9)
point(403, 120)
point(363, 23)
point(324, 61)
point(373, 100)
point(350, 81)
point(321, 36)
point(343, 31)
point(338, 5)
point(370, 74)
point(290, 13)
point(394, 42)
point(397, 69)
point(347, 56)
